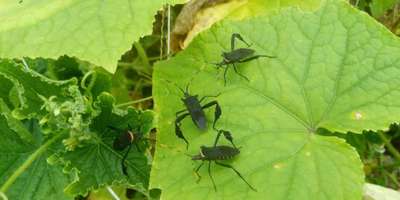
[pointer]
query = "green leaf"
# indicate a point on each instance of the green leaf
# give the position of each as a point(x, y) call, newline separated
point(336, 68)
point(23, 88)
point(39, 179)
point(98, 163)
point(379, 7)
point(92, 30)
point(236, 10)
point(262, 7)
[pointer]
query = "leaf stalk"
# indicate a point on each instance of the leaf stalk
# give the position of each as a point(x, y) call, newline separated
point(28, 162)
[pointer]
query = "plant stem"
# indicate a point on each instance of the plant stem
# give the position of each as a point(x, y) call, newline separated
point(134, 102)
point(28, 162)
point(3, 196)
point(142, 53)
point(392, 178)
point(389, 145)
point(111, 191)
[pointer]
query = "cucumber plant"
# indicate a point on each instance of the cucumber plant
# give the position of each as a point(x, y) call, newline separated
point(334, 68)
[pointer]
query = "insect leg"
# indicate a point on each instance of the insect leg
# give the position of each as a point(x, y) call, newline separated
point(217, 112)
point(237, 72)
point(124, 168)
point(227, 135)
point(180, 112)
point(208, 96)
point(237, 172)
point(225, 71)
point(217, 138)
point(197, 172)
point(178, 131)
point(237, 36)
point(255, 57)
point(209, 173)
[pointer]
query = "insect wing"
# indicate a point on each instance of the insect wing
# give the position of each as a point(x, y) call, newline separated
point(239, 54)
point(219, 152)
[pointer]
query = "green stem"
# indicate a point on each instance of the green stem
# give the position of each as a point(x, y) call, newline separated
point(27, 163)
point(389, 145)
point(392, 178)
point(3, 196)
point(134, 102)
point(142, 53)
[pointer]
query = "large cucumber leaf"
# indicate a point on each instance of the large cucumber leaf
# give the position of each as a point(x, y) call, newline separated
point(92, 30)
point(336, 68)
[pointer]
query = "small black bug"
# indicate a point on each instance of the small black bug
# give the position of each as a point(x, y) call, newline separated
point(195, 110)
point(130, 193)
point(125, 139)
point(217, 153)
point(239, 55)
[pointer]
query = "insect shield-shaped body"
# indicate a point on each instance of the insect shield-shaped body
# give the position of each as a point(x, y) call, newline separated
point(236, 55)
point(195, 110)
point(125, 140)
point(221, 152)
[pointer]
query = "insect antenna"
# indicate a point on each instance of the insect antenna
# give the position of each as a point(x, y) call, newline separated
point(186, 90)
point(176, 85)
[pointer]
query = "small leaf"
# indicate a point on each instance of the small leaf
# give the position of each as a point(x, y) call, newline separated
point(98, 163)
point(27, 88)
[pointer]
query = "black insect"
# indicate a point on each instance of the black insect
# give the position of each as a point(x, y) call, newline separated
point(195, 110)
point(239, 55)
point(127, 138)
point(130, 193)
point(217, 153)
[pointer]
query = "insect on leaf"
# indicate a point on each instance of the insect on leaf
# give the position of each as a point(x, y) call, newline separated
point(335, 68)
point(98, 163)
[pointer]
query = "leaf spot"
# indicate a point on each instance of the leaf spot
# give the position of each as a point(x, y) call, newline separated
point(278, 165)
point(358, 115)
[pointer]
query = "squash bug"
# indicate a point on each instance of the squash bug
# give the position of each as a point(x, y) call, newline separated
point(196, 112)
point(239, 55)
point(217, 153)
point(125, 139)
